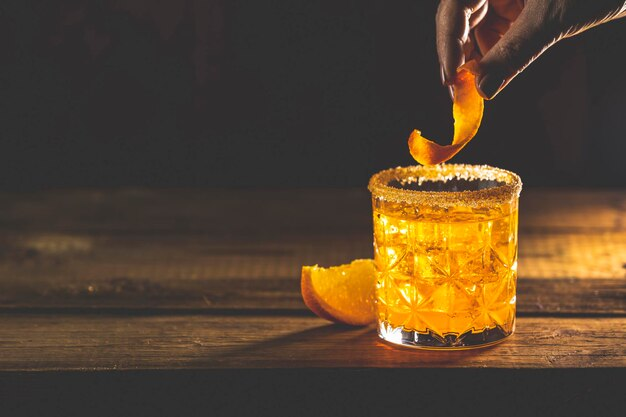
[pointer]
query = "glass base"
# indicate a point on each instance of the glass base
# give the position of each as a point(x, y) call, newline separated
point(431, 340)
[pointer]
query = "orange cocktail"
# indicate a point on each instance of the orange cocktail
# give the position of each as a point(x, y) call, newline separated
point(445, 241)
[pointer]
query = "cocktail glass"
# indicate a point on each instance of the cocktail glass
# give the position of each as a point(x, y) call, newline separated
point(445, 240)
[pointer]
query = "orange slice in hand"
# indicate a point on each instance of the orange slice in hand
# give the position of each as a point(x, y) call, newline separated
point(467, 110)
point(343, 294)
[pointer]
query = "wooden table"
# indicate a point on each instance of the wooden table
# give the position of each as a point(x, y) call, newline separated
point(162, 297)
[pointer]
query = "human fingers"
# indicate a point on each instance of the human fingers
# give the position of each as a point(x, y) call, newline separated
point(527, 38)
point(453, 26)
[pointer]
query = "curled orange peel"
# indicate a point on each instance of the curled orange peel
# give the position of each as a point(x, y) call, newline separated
point(467, 110)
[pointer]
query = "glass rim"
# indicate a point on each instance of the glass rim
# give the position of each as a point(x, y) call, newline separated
point(509, 187)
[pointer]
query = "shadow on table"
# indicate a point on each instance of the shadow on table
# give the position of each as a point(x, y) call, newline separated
point(325, 370)
point(336, 370)
point(333, 345)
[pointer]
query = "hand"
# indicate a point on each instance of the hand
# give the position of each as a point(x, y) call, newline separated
point(505, 36)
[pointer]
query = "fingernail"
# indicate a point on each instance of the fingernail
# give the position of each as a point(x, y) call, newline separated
point(442, 75)
point(445, 80)
point(490, 85)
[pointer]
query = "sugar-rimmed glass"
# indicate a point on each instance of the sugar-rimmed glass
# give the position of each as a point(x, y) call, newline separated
point(445, 240)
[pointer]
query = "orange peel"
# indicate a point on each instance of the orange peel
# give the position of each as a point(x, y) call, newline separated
point(342, 294)
point(467, 110)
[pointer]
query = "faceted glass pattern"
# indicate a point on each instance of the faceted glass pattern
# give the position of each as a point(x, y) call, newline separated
point(446, 276)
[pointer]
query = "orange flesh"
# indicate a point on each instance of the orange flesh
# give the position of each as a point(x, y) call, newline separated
point(342, 294)
point(467, 110)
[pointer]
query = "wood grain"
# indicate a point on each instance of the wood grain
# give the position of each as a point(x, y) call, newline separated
point(552, 296)
point(250, 212)
point(197, 249)
point(33, 256)
point(558, 273)
point(222, 214)
point(101, 342)
point(573, 210)
point(209, 280)
point(98, 342)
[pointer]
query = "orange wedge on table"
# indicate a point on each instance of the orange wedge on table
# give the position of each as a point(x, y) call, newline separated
point(342, 294)
point(467, 110)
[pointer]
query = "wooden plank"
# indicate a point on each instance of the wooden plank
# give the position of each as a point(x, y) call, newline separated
point(219, 213)
point(197, 249)
point(547, 255)
point(566, 273)
point(101, 342)
point(572, 209)
point(585, 255)
point(250, 212)
point(534, 296)
point(34, 256)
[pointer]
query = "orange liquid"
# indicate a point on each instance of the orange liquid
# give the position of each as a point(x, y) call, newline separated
point(445, 273)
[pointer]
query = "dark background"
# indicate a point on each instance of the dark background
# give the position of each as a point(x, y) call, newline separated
point(279, 93)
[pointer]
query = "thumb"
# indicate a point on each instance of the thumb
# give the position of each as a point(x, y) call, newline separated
point(526, 39)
